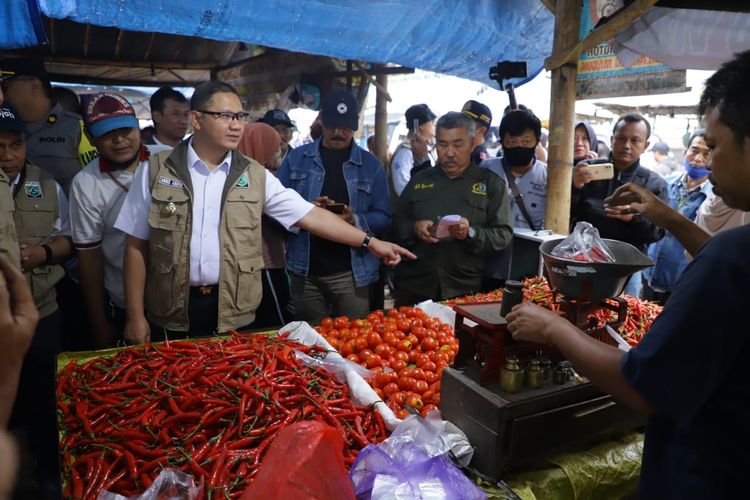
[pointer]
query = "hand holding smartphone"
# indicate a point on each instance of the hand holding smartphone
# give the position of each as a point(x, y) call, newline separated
point(337, 208)
point(601, 171)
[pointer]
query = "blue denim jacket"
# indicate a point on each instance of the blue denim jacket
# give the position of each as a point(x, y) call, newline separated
point(668, 255)
point(303, 171)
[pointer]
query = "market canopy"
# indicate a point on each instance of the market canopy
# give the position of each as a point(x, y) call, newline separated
point(460, 38)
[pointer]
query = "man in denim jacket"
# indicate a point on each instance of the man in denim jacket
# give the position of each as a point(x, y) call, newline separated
point(329, 278)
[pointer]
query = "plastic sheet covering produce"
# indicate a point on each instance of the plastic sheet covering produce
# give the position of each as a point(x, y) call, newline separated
point(610, 470)
point(462, 37)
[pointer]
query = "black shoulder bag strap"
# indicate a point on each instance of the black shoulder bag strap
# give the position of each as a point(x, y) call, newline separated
point(517, 196)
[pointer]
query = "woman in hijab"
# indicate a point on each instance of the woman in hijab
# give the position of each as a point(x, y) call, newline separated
point(262, 143)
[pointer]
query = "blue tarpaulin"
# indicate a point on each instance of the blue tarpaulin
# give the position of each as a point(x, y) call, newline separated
point(20, 24)
point(457, 37)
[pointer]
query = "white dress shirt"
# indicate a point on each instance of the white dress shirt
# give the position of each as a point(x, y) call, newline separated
point(284, 205)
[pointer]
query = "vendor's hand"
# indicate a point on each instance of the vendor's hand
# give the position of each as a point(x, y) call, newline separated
point(459, 230)
point(18, 314)
point(323, 201)
point(581, 175)
point(528, 321)
point(389, 253)
point(621, 212)
point(424, 230)
point(419, 146)
point(347, 215)
point(137, 330)
point(631, 199)
point(31, 256)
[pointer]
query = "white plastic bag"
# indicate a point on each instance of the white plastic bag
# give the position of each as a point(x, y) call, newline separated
point(170, 484)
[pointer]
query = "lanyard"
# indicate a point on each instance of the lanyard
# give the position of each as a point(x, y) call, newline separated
point(116, 181)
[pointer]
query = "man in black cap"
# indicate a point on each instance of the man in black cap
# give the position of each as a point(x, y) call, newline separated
point(335, 173)
point(664, 165)
point(283, 125)
point(412, 155)
point(482, 116)
point(54, 134)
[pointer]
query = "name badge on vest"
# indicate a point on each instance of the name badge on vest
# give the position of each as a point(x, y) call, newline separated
point(170, 182)
point(33, 189)
point(242, 182)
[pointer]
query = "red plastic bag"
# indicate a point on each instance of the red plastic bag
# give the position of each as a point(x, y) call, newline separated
point(305, 461)
point(583, 245)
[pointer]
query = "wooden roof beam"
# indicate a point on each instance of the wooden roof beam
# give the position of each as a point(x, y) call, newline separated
point(621, 20)
point(550, 4)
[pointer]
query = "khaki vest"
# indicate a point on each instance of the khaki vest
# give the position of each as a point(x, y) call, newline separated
point(167, 279)
point(36, 210)
point(8, 240)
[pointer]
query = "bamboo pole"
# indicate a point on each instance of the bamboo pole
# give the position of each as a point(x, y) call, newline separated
point(562, 117)
point(381, 119)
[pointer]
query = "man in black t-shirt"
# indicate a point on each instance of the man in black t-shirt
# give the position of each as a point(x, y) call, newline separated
point(689, 372)
point(330, 279)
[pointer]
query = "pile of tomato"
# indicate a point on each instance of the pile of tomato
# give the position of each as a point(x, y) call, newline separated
point(406, 348)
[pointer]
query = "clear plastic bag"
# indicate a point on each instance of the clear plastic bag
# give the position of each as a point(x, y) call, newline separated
point(170, 484)
point(413, 464)
point(583, 245)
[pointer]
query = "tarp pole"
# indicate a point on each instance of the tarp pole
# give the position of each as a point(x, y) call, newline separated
point(562, 120)
point(381, 118)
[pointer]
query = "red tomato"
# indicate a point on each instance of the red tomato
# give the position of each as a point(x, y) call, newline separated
point(407, 383)
point(405, 372)
point(416, 323)
point(413, 356)
point(327, 323)
point(397, 364)
point(402, 414)
point(428, 395)
point(398, 397)
point(341, 322)
point(421, 359)
point(373, 318)
point(378, 392)
point(401, 355)
point(353, 358)
point(428, 344)
point(431, 377)
point(428, 366)
point(360, 343)
point(421, 386)
point(405, 346)
point(373, 340)
point(382, 350)
point(427, 409)
point(390, 389)
point(415, 402)
point(390, 326)
point(418, 373)
point(393, 313)
point(403, 324)
point(364, 353)
point(390, 338)
point(373, 361)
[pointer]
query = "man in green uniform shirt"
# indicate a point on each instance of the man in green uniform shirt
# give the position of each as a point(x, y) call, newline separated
point(450, 256)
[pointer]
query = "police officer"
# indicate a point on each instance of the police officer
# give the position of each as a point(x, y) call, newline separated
point(450, 265)
point(54, 134)
point(482, 116)
point(42, 227)
point(193, 251)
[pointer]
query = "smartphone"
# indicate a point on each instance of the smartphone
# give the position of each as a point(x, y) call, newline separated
point(415, 125)
point(337, 208)
point(601, 171)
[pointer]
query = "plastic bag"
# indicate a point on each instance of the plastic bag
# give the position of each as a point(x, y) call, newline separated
point(583, 245)
point(361, 392)
point(304, 462)
point(170, 484)
point(413, 464)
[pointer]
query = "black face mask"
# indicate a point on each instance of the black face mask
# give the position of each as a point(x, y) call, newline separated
point(121, 165)
point(519, 156)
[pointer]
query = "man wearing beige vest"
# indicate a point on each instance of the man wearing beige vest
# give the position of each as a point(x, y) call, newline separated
point(40, 213)
point(193, 251)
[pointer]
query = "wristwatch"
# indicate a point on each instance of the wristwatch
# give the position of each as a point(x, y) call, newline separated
point(366, 241)
point(472, 232)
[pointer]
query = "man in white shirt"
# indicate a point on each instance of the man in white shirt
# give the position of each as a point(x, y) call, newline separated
point(192, 217)
point(96, 196)
point(404, 159)
point(170, 114)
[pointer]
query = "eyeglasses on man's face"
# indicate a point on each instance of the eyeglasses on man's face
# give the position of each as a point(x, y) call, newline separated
point(225, 116)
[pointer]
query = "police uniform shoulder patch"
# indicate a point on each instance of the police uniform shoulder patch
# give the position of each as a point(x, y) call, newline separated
point(479, 188)
point(243, 181)
point(33, 189)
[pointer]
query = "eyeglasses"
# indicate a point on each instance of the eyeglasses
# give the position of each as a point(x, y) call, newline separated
point(226, 116)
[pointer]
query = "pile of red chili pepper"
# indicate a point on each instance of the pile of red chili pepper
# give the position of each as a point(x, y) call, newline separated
point(641, 313)
point(210, 408)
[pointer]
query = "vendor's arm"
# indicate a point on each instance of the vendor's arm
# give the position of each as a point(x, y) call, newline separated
point(598, 361)
point(18, 320)
point(633, 199)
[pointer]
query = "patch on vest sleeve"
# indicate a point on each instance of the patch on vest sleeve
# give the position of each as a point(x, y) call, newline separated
point(170, 182)
point(243, 181)
point(33, 189)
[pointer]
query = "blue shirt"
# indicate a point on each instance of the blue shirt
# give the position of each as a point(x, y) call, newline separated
point(533, 188)
point(667, 253)
point(692, 367)
point(303, 171)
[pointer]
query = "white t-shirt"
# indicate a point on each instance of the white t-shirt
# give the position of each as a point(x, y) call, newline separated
point(284, 205)
point(95, 202)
